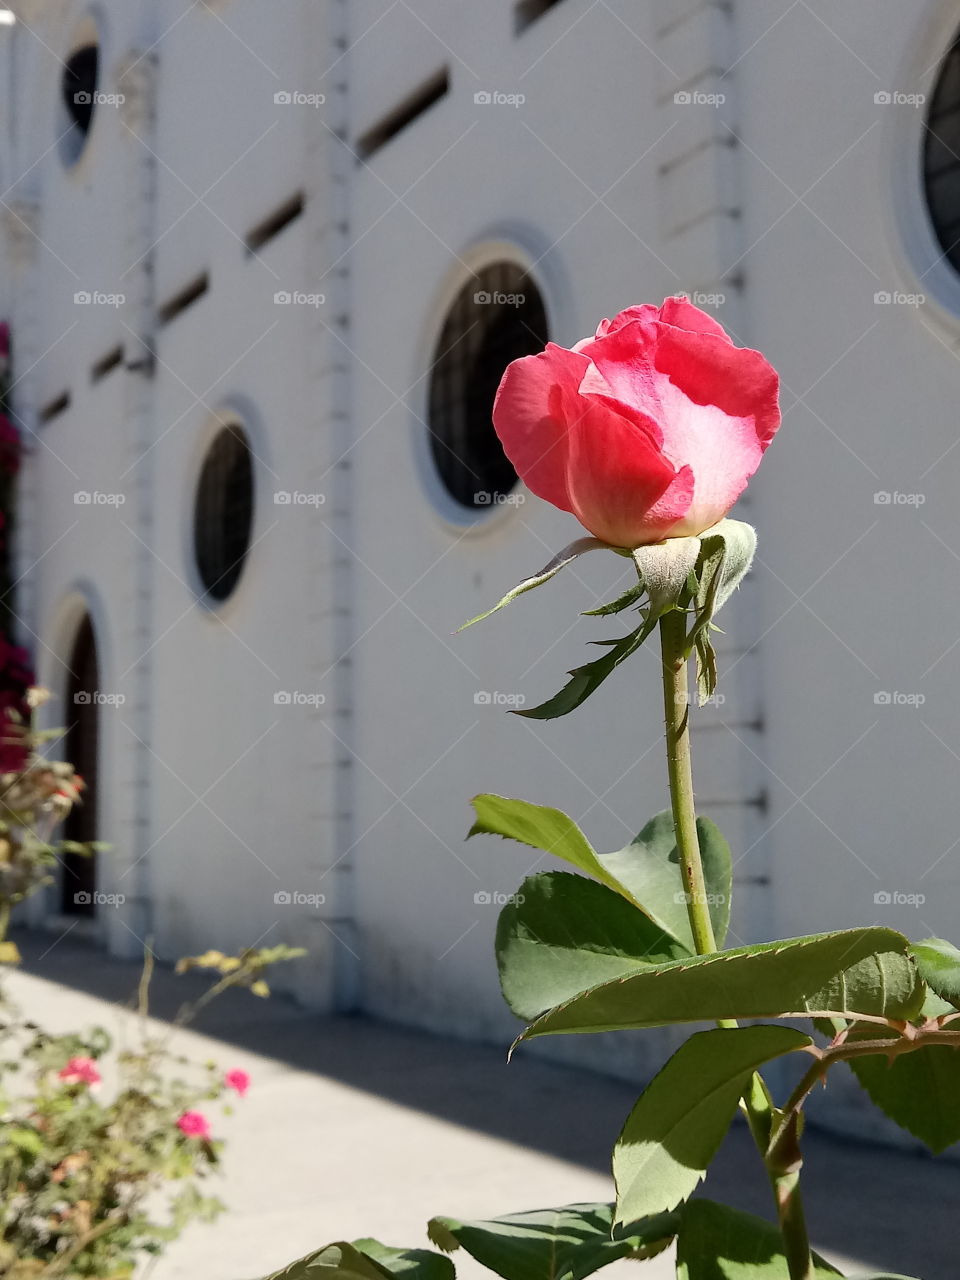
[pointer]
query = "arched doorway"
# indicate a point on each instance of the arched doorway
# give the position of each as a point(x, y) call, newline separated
point(78, 881)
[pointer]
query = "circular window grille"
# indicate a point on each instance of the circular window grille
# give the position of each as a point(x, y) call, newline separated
point(941, 157)
point(497, 317)
point(79, 87)
point(223, 517)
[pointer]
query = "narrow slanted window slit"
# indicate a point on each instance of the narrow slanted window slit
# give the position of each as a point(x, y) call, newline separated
point(106, 364)
point(528, 11)
point(179, 303)
point(277, 221)
point(55, 407)
point(437, 87)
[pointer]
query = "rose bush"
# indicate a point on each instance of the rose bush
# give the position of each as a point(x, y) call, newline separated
point(649, 430)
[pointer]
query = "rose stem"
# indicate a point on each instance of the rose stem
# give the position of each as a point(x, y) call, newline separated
point(757, 1103)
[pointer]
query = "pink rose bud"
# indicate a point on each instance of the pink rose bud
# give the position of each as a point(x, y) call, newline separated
point(237, 1080)
point(80, 1071)
point(649, 430)
point(194, 1124)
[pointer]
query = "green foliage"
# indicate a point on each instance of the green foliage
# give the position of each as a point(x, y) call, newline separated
point(243, 970)
point(564, 934)
point(646, 873)
point(96, 1171)
point(553, 1244)
point(717, 1243)
point(649, 869)
point(865, 971)
point(939, 965)
point(920, 1090)
point(368, 1260)
point(33, 802)
point(676, 1127)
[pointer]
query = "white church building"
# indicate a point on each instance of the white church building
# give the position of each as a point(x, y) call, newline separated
point(264, 264)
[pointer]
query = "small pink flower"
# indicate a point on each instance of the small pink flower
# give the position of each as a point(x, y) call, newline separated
point(194, 1124)
point(80, 1071)
point(237, 1080)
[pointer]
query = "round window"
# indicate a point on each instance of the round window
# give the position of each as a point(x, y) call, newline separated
point(941, 156)
point(497, 317)
point(223, 514)
point(78, 87)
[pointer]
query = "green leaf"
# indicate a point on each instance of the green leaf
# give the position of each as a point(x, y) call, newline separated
point(681, 1118)
point(939, 965)
point(540, 827)
point(920, 1091)
point(552, 1244)
point(717, 1243)
point(410, 1264)
point(854, 971)
point(648, 871)
point(664, 570)
point(368, 1260)
point(588, 678)
point(564, 934)
point(566, 556)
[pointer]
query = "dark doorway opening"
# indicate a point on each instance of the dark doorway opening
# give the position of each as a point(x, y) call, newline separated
point(78, 882)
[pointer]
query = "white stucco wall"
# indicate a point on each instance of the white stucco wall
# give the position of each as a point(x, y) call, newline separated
point(782, 188)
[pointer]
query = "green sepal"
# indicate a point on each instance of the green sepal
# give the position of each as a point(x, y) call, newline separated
point(587, 679)
point(632, 595)
point(560, 561)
